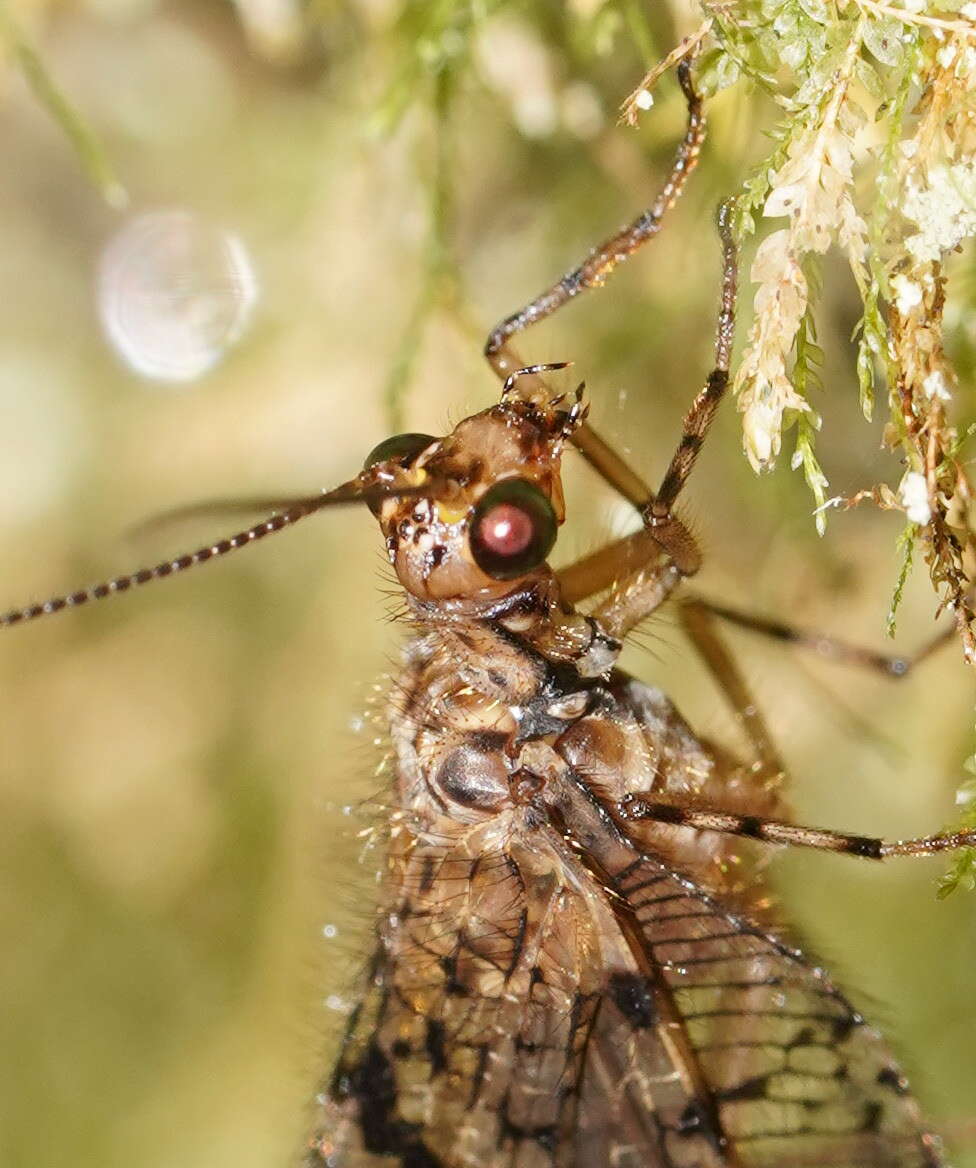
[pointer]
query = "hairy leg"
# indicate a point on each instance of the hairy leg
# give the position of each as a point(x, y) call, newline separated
point(825, 645)
point(774, 831)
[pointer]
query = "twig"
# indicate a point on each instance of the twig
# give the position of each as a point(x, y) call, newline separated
point(631, 109)
point(961, 27)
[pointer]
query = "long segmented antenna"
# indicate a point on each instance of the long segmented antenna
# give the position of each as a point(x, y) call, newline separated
point(292, 511)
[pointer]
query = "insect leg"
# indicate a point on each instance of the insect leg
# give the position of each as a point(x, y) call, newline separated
point(699, 417)
point(828, 647)
point(633, 560)
point(698, 622)
point(656, 509)
point(774, 831)
point(600, 263)
point(669, 532)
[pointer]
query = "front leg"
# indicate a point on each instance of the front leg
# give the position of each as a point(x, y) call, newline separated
point(602, 260)
point(774, 831)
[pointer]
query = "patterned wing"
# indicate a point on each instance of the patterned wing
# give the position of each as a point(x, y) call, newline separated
point(546, 996)
point(469, 1046)
point(781, 1071)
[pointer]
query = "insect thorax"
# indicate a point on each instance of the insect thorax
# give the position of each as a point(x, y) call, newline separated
point(491, 707)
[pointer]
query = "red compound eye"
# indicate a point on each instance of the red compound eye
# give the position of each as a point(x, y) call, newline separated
point(512, 530)
point(506, 530)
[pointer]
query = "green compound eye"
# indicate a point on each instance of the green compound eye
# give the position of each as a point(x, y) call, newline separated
point(512, 529)
point(400, 448)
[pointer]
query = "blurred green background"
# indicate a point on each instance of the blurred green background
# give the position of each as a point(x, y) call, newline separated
point(184, 893)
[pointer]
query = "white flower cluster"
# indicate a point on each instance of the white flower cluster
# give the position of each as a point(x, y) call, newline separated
point(913, 494)
point(942, 203)
point(766, 390)
point(814, 189)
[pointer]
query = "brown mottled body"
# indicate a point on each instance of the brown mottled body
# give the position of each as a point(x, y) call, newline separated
point(574, 966)
point(532, 1008)
point(559, 982)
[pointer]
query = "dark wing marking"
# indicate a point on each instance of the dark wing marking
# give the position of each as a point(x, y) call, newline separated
point(468, 1049)
point(793, 1075)
point(564, 1001)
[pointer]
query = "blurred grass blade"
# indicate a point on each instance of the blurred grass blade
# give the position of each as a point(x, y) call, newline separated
point(87, 146)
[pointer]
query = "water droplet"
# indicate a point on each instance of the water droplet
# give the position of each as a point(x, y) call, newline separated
point(174, 294)
point(329, 931)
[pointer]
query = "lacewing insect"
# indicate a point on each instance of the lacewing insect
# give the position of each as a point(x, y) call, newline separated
point(573, 962)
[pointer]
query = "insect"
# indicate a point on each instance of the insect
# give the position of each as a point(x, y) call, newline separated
point(574, 965)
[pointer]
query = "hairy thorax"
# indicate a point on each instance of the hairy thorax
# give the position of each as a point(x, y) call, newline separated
point(485, 716)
